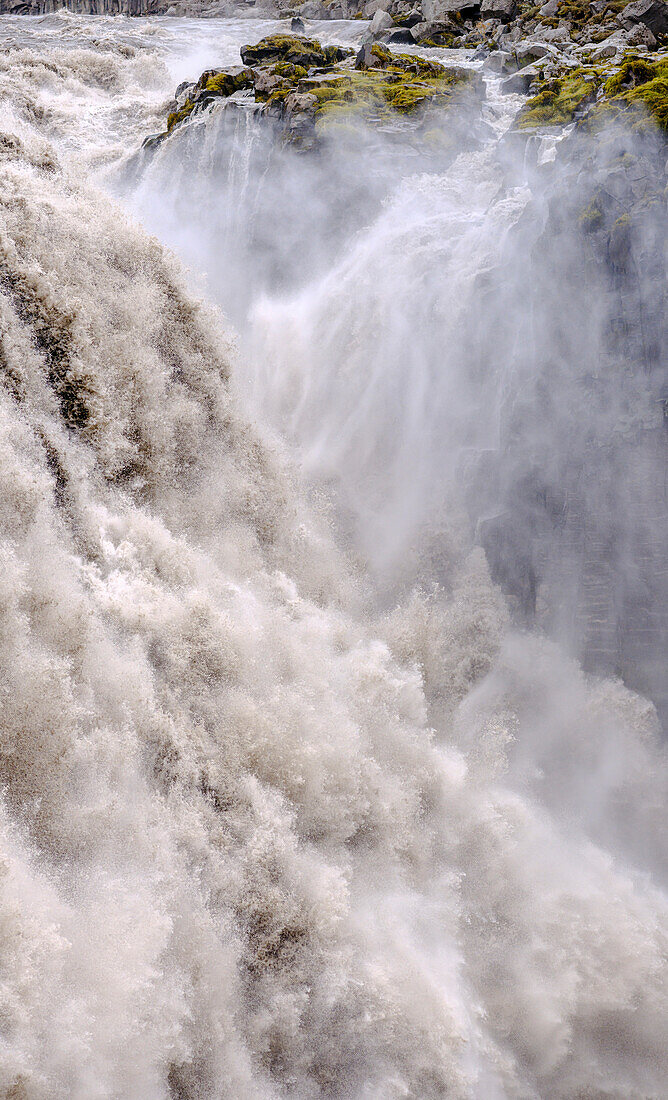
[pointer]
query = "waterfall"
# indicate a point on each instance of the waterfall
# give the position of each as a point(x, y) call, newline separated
point(298, 798)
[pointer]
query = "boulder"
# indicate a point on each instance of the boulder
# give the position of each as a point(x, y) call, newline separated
point(401, 37)
point(499, 9)
point(611, 46)
point(520, 81)
point(558, 35)
point(313, 9)
point(373, 6)
point(407, 15)
point(419, 31)
point(298, 102)
point(223, 82)
point(652, 13)
point(266, 83)
point(184, 91)
point(641, 35)
point(293, 50)
point(438, 11)
point(549, 10)
point(297, 25)
point(499, 62)
point(364, 59)
point(441, 33)
point(381, 22)
point(530, 51)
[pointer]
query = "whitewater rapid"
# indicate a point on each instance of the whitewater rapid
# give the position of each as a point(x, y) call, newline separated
point(291, 805)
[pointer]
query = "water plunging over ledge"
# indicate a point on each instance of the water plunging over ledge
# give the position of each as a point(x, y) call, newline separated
point(306, 792)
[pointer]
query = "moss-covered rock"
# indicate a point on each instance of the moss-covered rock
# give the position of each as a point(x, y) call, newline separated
point(382, 58)
point(294, 76)
point(637, 91)
point(224, 82)
point(174, 118)
point(558, 100)
point(376, 94)
point(640, 88)
point(294, 50)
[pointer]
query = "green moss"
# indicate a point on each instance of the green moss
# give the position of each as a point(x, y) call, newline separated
point(637, 91)
point(438, 41)
point(406, 97)
point(381, 54)
point(177, 117)
point(225, 83)
point(653, 96)
point(557, 101)
point(591, 217)
point(376, 91)
point(640, 88)
point(406, 63)
point(580, 14)
point(287, 69)
point(634, 71)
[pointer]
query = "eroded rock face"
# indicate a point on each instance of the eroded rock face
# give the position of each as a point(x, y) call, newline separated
point(84, 7)
point(601, 207)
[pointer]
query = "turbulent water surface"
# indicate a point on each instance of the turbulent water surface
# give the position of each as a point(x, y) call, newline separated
point(324, 772)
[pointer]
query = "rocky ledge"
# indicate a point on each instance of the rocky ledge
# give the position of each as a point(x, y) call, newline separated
point(308, 88)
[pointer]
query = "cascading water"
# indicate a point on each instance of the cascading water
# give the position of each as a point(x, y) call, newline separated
point(291, 808)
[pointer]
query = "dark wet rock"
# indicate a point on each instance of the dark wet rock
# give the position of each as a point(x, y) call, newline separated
point(365, 57)
point(640, 35)
point(401, 37)
point(435, 34)
point(499, 9)
point(651, 13)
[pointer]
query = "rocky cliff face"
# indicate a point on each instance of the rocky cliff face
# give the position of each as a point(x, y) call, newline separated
point(83, 7)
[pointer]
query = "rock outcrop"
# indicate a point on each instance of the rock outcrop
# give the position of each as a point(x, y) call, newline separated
point(306, 88)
